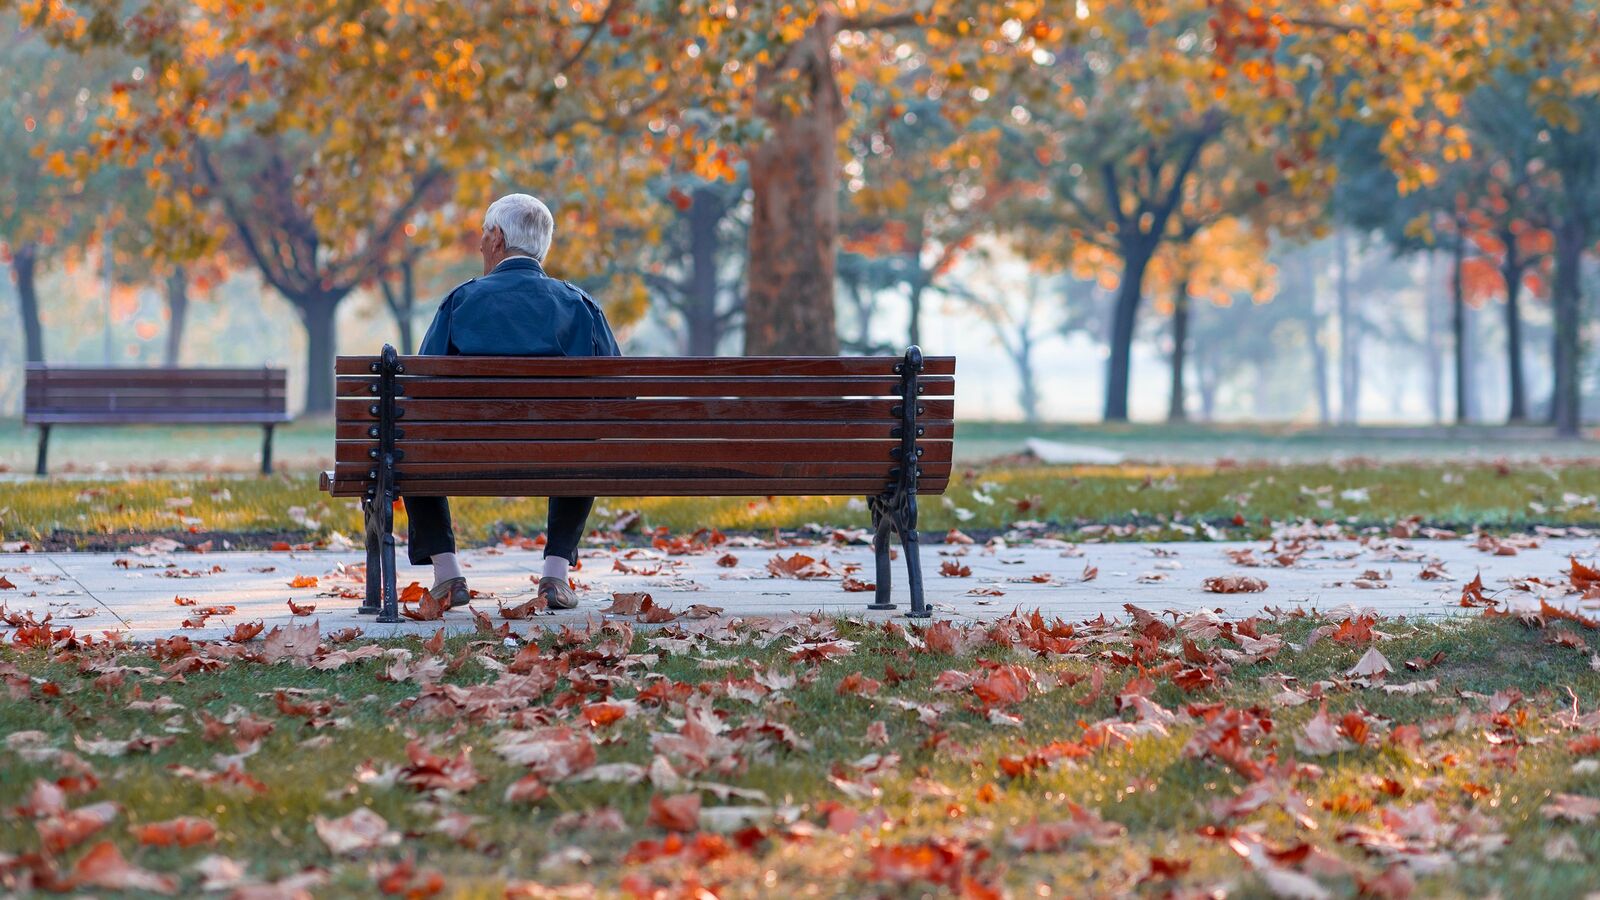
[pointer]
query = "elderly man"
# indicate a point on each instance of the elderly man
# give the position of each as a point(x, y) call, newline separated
point(515, 309)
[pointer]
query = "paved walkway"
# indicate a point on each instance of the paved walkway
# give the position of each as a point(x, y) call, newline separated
point(136, 593)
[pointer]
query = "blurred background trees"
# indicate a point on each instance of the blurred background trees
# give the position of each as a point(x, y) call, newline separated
point(1301, 210)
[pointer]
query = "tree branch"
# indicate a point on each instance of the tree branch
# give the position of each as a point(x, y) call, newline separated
point(588, 40)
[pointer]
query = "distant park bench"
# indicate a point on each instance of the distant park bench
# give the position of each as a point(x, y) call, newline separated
point(109, 396)
point(878, 427)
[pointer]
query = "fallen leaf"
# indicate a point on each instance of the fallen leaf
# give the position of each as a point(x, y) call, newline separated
point(184, 831)
point(1572, 808)
point(1321, 736)
point(68, 828)
point(680, 812)
point(1233, 584)
point(1371, 664)
point(358, 832)
point(104, 867)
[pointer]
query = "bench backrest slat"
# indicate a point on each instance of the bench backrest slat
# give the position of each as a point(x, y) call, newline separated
point(744, 426)
point(648, 367)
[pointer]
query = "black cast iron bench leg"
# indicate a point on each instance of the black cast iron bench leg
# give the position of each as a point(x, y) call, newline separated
point(42, 466)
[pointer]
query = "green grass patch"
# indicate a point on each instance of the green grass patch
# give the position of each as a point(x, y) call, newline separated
point(1142, 502)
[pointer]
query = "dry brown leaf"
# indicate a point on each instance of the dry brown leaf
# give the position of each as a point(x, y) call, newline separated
point(1234, 584)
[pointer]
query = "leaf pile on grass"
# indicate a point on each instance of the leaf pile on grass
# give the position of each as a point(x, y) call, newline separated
point(1162, 753)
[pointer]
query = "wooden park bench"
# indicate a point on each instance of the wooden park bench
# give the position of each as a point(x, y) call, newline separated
point(464, 426)
point(109, 396)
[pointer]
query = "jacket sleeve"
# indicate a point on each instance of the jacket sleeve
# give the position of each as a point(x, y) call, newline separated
point(436, 341)
point(605, 343)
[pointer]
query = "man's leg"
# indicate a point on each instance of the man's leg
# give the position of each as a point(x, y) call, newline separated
point(563, 530)
point(564, 527)
point(431, 539)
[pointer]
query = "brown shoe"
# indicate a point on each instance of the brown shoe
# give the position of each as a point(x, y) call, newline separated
point(557, 593)
point(452, 592)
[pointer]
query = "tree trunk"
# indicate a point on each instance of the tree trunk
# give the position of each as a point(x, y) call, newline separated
point(319, 313)
point(1349, 339)
point(1206, 381)
point(1431, 355)
point(402, 304)
point(1511, 271)
point(1176, 402)
point(1125, 314)
point(1312, 323)
point(1028, 393)
point(917, 285)
point(1458, 328)
point(864, 313)
point(704, 328)
point(177, 313)
point(1262, 408)
point(794, 222)
point(24, 263)
point(1566, 405)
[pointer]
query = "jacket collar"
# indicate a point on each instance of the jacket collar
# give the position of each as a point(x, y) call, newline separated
point(519, 262)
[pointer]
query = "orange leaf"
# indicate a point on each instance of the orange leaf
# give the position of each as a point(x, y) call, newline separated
point(184, 831)
point(680, 812)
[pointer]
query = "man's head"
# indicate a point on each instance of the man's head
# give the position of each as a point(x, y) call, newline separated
point(515, 225)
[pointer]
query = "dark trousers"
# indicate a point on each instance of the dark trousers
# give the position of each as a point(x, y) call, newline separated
point(429, 529)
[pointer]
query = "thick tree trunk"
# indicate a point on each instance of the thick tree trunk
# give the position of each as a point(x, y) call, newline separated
point(24, 266)
point(1349, 337)
point(1458, 329)
point(1177, 401)
point(1511, 271)
point(704, 327)
point(177, 313)
point(319, 313)
point(794, 222)
point(1124, 316)
point(1566, 405)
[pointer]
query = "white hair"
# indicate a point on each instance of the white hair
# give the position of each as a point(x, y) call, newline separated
point(525, 222)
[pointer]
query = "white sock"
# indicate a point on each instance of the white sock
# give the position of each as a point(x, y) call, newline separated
point(445, 568)
point(555, 567)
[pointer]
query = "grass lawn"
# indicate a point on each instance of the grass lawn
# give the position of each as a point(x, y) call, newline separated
point(307, 445)
point(1153, 755)
point(1079, 502)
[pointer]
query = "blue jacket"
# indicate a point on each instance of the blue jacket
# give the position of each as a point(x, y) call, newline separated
point(518, 310)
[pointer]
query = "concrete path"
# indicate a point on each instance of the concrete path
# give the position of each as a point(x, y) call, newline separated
point(135, 593)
